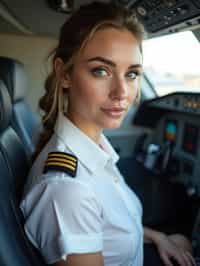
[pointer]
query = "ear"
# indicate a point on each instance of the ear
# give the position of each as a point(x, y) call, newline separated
point(61, 74)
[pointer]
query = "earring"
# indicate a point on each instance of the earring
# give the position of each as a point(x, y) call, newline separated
point(65, 103)
point(137, 98)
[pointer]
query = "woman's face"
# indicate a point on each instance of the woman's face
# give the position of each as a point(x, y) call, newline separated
point(104, 81)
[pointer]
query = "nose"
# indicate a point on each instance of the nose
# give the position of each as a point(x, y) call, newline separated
point(119, 89)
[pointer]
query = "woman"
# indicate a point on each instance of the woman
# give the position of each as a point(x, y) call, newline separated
point(77, 207)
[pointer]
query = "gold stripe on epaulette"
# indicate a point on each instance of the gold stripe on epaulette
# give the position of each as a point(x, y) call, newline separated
point(62, 160)
point(56, 155)
point(60, 164)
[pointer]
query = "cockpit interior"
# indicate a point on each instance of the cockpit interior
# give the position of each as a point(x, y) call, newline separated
point(158, 142)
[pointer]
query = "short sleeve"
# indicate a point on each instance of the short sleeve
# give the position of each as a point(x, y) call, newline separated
point(63, 217)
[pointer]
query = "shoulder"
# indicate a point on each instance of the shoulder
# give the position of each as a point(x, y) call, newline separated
point(57, 163)
point(60, 188)
point(60, 174)
point(55, 156)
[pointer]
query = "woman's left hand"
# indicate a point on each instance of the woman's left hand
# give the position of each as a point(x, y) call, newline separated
point(175, 247)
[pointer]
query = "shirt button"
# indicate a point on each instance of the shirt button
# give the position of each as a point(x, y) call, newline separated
point(116, 179)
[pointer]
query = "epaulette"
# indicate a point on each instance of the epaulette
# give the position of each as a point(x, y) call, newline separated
point(61, 161)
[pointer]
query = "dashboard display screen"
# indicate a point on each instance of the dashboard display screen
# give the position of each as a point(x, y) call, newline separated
point(170, 130)
point(190, 137)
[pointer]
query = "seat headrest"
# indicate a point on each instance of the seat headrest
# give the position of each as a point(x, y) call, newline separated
point(13, 74)
point(5, 107)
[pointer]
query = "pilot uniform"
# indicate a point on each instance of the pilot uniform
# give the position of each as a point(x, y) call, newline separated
point(76, 201)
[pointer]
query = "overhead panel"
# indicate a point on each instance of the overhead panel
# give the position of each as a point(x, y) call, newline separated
point(173, 15)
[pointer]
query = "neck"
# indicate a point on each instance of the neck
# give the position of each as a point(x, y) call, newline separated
point(91, 131)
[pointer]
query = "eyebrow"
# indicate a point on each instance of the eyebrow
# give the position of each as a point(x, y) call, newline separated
point(111, 63)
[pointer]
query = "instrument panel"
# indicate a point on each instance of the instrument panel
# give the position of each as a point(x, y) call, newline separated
point(180, 102)
point(183, 132)
point(177, 122)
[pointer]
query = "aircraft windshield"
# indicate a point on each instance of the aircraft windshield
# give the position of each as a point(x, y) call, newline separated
point(172, 62)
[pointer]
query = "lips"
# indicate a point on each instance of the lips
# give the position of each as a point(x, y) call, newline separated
point(114, 112)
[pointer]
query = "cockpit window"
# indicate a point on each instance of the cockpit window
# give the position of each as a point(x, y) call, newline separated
point(172, 62)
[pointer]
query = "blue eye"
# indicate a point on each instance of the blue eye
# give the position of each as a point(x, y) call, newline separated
point(132, 74)
point(99, 72)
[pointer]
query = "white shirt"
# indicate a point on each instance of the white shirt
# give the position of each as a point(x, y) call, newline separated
point(93, 211)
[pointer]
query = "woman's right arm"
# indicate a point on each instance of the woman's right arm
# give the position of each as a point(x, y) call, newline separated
point(65, 218)
point(89, 259)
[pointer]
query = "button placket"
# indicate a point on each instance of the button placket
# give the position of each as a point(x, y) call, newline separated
point(112, 171)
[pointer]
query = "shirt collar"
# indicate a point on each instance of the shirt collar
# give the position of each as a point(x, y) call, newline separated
point(87, 151)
